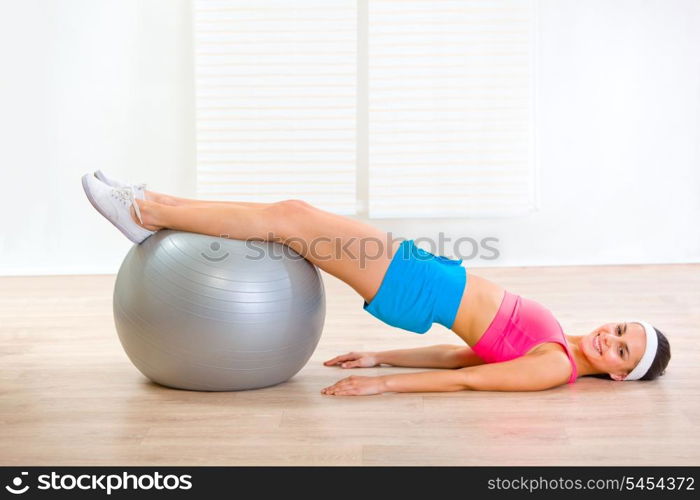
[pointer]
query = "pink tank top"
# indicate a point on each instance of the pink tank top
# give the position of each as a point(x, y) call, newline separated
point(519, 325)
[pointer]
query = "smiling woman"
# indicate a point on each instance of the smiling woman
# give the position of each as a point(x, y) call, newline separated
point(633, 350)
point(513, 343)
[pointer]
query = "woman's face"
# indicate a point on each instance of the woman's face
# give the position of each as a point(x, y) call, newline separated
point(615, 348)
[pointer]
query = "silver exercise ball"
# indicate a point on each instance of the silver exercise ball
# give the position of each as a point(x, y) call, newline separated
point(215, 314)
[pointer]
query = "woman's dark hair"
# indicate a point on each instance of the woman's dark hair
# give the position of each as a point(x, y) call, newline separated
point(663, 356)
point(658, 366)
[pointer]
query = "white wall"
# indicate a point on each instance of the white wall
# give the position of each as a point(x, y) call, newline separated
point(88, 84)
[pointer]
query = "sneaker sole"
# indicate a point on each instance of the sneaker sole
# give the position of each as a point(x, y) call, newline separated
point(92, 201)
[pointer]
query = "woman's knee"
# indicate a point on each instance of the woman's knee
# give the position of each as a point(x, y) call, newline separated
point(295, 205)
point(291, 209)
point(286, 214)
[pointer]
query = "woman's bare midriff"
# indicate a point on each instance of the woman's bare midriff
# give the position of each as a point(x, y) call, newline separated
point(479, 305)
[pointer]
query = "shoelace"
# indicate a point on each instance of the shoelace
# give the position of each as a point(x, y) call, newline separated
point(125, 195)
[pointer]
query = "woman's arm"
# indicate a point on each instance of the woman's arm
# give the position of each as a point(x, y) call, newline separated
point(534, 372)
point(434, 356)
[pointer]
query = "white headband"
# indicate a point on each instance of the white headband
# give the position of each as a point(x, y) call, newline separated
point(649, 353)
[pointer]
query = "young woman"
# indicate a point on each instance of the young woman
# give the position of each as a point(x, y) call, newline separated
point(512, 343)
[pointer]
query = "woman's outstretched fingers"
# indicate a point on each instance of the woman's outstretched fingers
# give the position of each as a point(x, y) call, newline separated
point(340, 359)
point(356, 386)
point(354, 360)
point(333, 389)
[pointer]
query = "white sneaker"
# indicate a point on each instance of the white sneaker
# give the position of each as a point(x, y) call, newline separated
point(114, 204)
point(139, 189)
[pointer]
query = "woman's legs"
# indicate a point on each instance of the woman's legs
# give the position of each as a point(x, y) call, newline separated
point(356, 253)
point(175, 201)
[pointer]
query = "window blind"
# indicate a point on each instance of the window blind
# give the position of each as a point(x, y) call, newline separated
point(275, 85)
point(451, 108)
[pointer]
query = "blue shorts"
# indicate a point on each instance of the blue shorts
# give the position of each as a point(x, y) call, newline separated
point(419, 289)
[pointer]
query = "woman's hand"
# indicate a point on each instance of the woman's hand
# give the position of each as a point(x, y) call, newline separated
point(354, 360)
point(356, 386)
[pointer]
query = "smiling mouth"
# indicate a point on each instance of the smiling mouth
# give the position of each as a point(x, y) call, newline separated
point(596, 344)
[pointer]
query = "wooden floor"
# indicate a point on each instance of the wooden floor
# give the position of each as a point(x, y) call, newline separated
point(68, 394)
